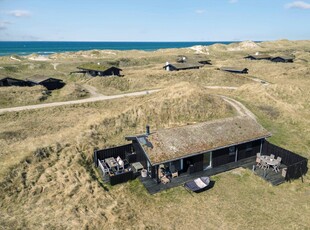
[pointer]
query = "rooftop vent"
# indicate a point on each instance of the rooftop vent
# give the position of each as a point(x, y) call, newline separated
point(147, 127)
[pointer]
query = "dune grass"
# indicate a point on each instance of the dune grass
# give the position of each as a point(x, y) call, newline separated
point(47, 179)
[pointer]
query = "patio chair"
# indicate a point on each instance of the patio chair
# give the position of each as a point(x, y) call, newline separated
point(279, 159)
point(272, 156)
point(258, 155)
point(258, 162)
point(265, 166)
point(164, 180)
point(276, 168)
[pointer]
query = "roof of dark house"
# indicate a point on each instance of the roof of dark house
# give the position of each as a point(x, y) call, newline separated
point(175, 143)
point(96, 67)
point(15, 79)
point(259, 56)
point(283, 57)
point(40, 78)
point(234, 69)
point(184, 65)
point(204, 61)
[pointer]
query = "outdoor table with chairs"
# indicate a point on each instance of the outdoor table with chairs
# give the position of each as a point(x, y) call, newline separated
point(265, 161)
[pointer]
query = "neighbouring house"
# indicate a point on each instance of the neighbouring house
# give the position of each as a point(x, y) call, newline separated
point(205, 62)
point(181, 66)
point(210, 147)
point(94, 70)
point(285, 59)
point(235, 70)
point(258, 57)
point(48, 82)
point(9, 81)
point(181, 59)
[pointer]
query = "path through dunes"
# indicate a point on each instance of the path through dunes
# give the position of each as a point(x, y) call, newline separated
point(87, 100)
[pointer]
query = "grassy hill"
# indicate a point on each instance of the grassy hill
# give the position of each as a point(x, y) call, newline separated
point(47, 179)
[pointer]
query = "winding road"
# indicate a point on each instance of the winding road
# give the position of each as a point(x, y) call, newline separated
point(95, 96)
point(87, 100)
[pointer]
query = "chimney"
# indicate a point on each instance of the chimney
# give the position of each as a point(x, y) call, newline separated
point(167, 66)
point(147, 130)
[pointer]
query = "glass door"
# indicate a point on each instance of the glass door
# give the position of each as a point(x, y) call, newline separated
point(207, 160)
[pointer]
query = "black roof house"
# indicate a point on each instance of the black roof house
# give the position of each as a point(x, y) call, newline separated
point(235, 70)
point(285, 59)
point(205, 148)
point(94, 70)
point(181, 66)
point(258, 57)
point(9, 81)
point(205, 62)
point(48, 82)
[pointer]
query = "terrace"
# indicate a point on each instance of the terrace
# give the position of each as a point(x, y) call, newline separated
point(268, 175)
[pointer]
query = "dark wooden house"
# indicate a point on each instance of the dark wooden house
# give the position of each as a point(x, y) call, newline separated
point(9, 81)
point(99, 70)
point(198, 147)
point(285, 59)
point(181, 66)
point(235, 70)
point(205, 62)
point(213, 146)
point(258, 57)
point(48, 82)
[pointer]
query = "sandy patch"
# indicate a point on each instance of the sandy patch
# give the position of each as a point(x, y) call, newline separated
point(39, 58)
point(200, 49)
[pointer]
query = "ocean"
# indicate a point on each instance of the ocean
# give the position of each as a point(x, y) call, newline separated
point(46, 48)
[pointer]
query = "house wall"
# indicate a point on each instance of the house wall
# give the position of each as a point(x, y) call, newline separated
point(52, 84)
point(221, 156)
point(193, 164)
point(278, 59)
point(120, 151)
point(112, 71)
point(140, 156)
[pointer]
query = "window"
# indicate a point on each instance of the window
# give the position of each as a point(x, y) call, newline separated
point(207, 160)
point(232, 150)
point(248, 146)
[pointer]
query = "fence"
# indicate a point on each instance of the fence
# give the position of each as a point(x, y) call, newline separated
point(124, 152)
point(112, 152)
point(296, 164)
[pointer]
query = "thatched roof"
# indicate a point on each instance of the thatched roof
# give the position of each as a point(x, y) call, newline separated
point(175, 143)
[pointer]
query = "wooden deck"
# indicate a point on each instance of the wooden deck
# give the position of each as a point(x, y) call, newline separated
point(153, 187)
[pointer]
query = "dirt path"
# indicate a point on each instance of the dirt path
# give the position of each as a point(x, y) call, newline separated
point(241, 109)
point(221, 87)
point(87, 100)
point(55, 65)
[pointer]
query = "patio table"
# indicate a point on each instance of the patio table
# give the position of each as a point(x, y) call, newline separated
point(111, 162)
point(272, 162)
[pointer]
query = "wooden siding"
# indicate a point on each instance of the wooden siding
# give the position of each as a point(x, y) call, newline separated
point(297, 166)
point(140, 154)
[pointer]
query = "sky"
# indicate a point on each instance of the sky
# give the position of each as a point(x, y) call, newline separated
point(154, 20)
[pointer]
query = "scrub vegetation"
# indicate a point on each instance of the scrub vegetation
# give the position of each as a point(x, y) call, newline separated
point(47, 177)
